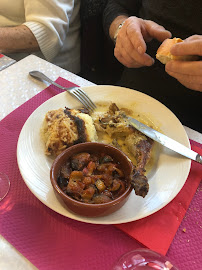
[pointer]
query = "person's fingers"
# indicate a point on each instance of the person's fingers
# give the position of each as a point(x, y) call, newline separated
point(123, 57)
point(143, 60)
point(133, 59)
point(191, 85)
point(185, 67)
point(186, 78)
point(191, 82)
point(194, 37)
point(133, 32)
point(157, 31)
point(123, 49)
point(140, 31)
point(124, 40)
point(126, 52)
point(191, 47)
point(123, 61)
point(187, 73)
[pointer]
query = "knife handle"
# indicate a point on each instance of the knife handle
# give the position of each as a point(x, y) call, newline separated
point(199, 159)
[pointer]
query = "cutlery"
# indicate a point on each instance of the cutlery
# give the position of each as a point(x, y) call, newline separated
point(165, 141)
point(148, 131)
point(74, 91)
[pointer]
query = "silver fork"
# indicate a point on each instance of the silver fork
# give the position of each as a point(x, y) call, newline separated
point(74, 91)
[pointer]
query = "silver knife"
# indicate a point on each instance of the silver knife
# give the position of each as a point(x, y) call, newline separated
point(165, 141)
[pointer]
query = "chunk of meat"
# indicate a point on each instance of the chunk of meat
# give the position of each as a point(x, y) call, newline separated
point(140, 146)
point(75, 184)
point(106, 159)
point(79, 161)
point(140, 183)
point(102, 198)
point(115, 185)
point(87, 194)
point(65, 170)
point(118, 188)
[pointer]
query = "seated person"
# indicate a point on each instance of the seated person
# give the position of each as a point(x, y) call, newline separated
point(178, 85)
point(48, 29)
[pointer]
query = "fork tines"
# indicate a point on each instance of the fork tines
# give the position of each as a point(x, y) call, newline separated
point(83, 98)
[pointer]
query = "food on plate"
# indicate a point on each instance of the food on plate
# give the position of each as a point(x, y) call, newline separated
point(164, 55)
point(94, 178)
point(65, 127)
point(136, 145)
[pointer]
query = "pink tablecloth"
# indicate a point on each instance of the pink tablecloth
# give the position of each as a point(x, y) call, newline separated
point(51, 241)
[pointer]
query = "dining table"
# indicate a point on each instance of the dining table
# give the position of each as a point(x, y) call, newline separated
point(33, 236)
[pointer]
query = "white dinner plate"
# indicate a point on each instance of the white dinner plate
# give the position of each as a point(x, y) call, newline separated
point(166, 178)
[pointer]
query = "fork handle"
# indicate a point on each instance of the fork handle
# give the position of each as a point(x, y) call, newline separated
point(40, 76)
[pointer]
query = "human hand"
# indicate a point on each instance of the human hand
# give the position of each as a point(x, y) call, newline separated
point(188, 73)
point(131, 47)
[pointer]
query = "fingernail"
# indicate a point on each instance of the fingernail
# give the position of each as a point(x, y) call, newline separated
point(140, 50)
point(150, 62)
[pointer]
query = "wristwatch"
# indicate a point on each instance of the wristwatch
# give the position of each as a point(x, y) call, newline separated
point(117, 31)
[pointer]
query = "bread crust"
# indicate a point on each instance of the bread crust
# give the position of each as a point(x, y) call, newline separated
point(164, 56)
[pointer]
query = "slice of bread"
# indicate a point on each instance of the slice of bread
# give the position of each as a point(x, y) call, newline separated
point(164, 55)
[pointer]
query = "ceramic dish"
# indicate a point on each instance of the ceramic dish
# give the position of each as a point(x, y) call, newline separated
point(166, 178)
point(85, 208)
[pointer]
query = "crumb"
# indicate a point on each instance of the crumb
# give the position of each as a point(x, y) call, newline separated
point(168, 265)
point(184, 230)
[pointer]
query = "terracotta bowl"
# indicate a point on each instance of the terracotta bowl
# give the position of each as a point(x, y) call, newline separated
point(87, 209)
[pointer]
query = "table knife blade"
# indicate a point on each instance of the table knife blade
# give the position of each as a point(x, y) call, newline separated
point(165, 140)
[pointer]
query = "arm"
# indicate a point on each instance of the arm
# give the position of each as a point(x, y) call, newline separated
point(130, 47)
point(48, 20)
point(187, 73)
point(17, 39)
point(45, 28)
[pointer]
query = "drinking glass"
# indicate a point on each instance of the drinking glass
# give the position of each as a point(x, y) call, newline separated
point(143, 259)
point(4, 185)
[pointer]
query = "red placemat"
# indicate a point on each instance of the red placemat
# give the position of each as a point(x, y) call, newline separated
point(158, 230)
point(5, 61)
point(51, 241)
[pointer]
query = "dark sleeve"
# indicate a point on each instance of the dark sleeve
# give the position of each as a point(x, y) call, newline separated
point(115, 8)
point(91, 8)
